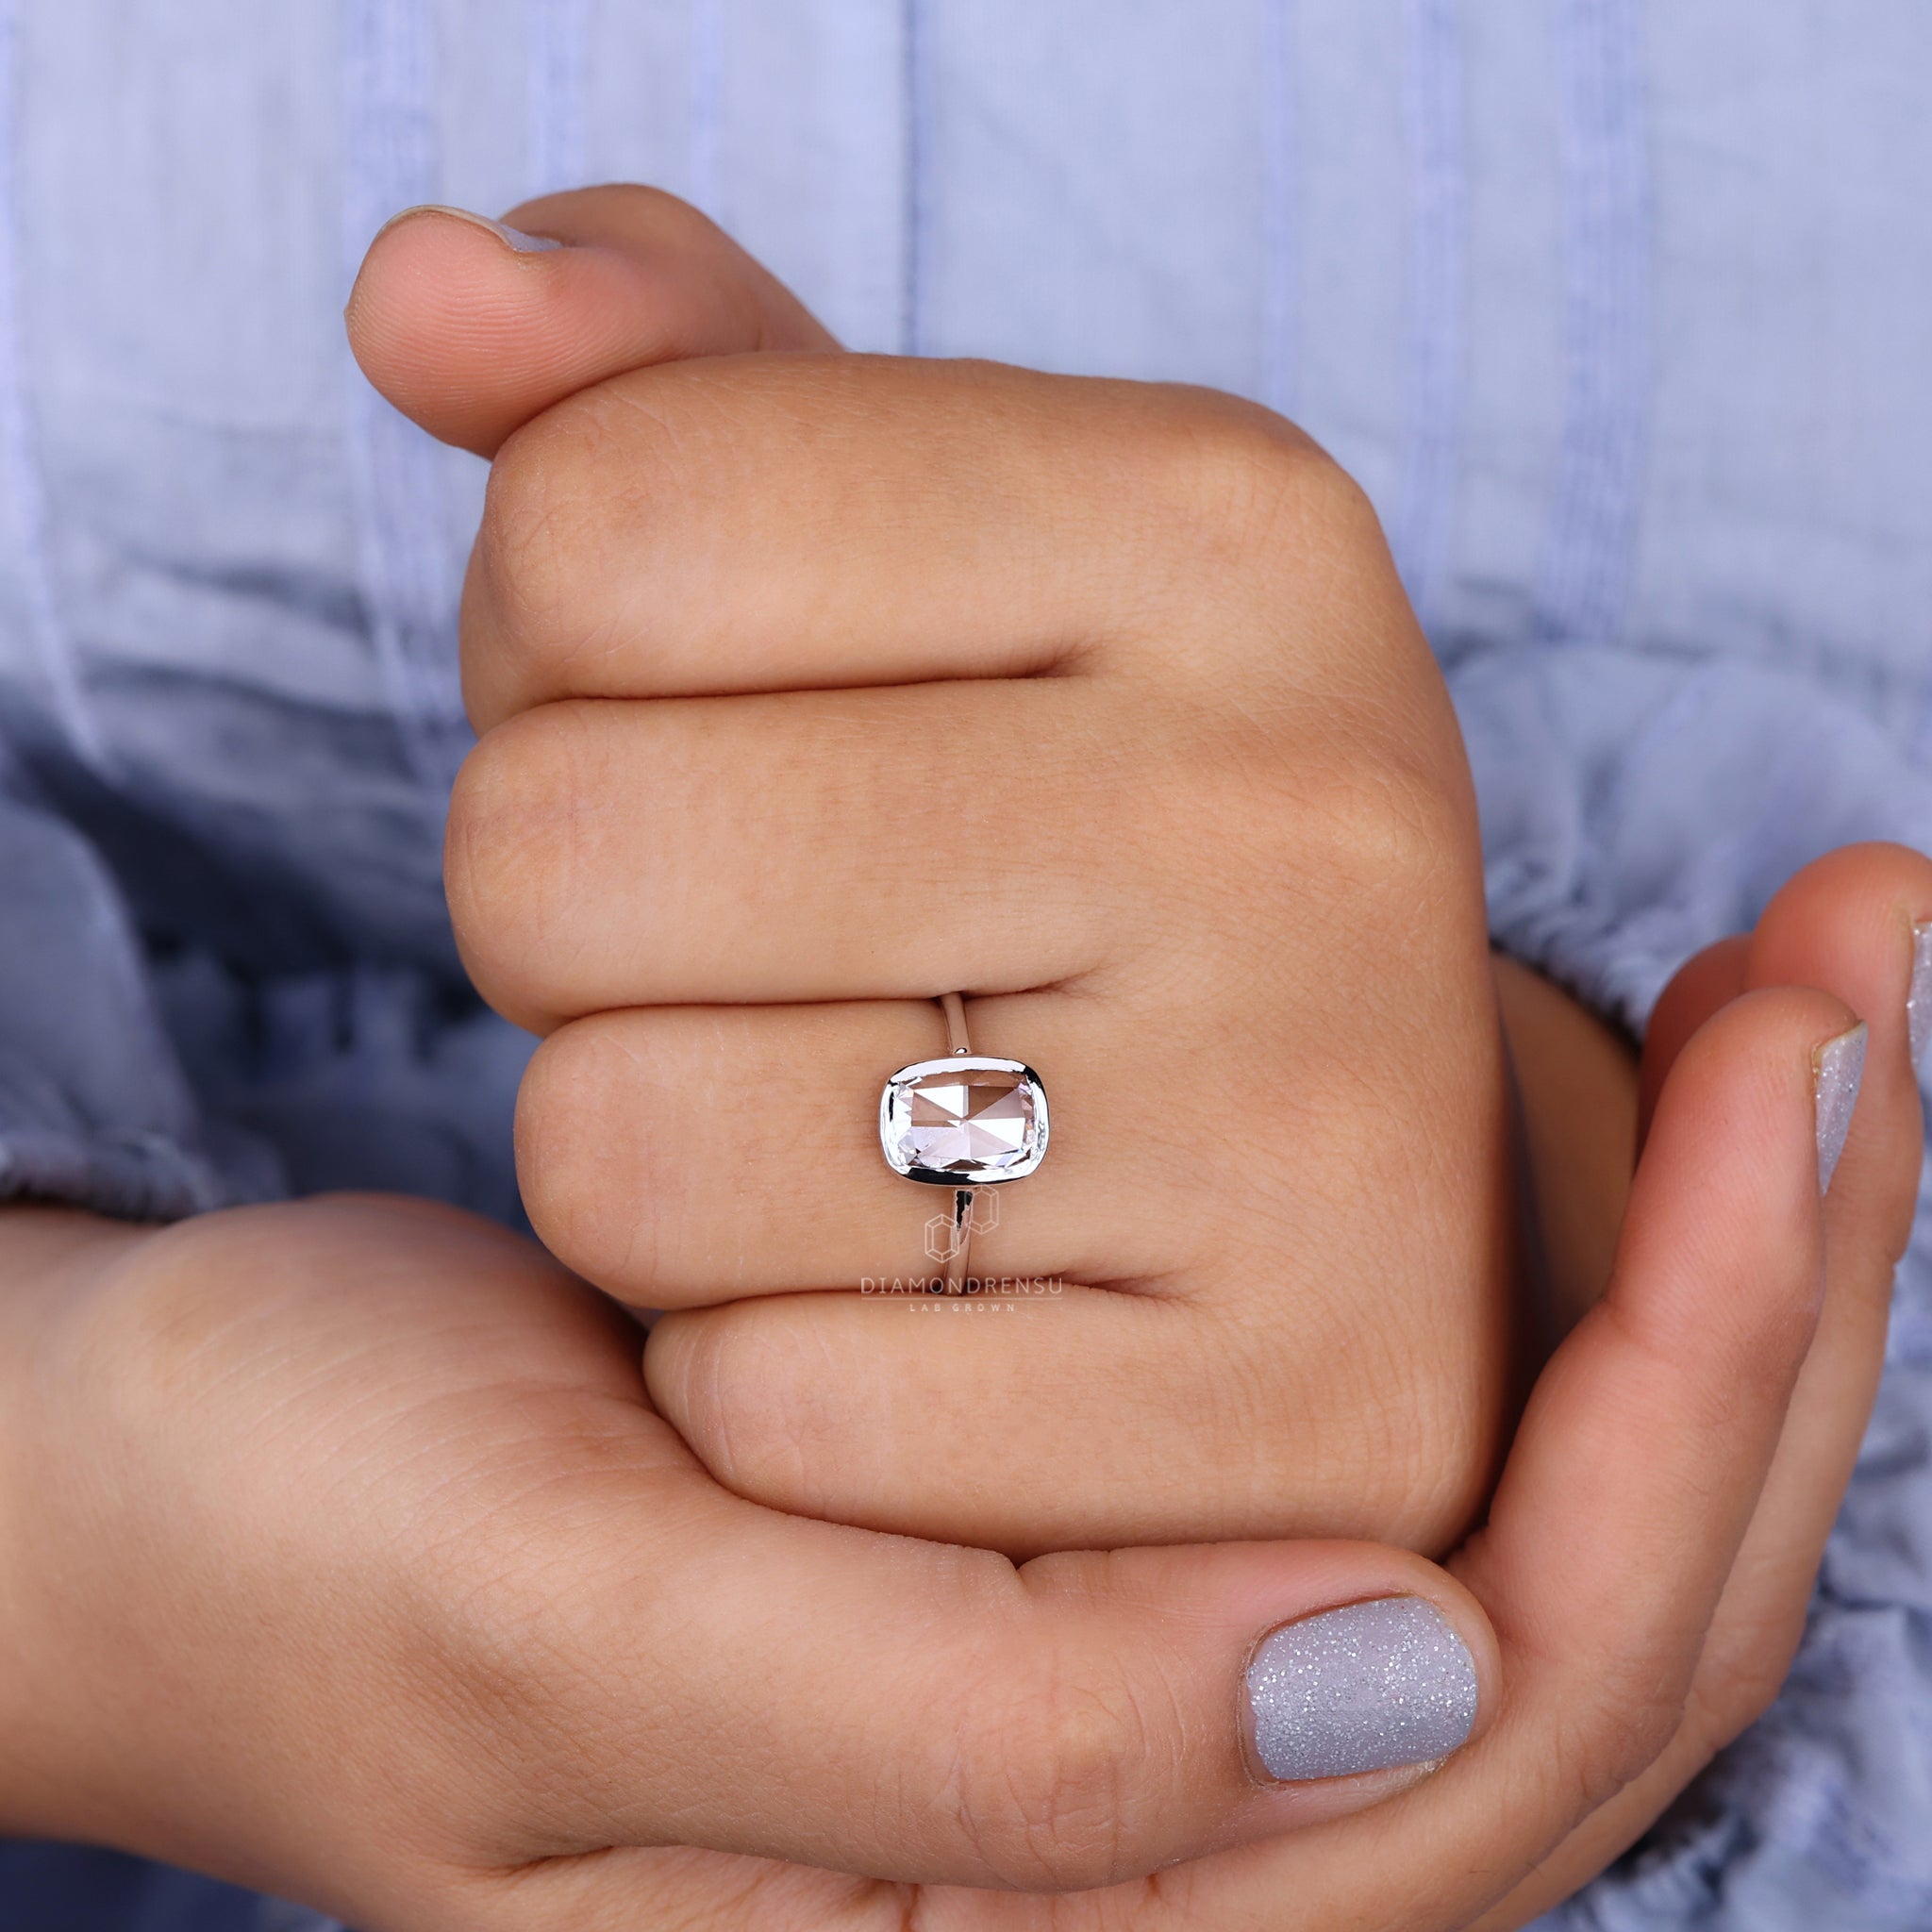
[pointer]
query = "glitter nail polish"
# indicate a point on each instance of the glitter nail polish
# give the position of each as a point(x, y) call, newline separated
point(1919, 1000)
point(1364, 1688)
point(1837, 1068)
point(517, 239)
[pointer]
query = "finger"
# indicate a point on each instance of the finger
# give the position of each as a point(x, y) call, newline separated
point(1029, 1398)
point(1852, 922)
point(794, 848)
point(684, 1155)
point(1693, 1356)
point(1848, 923)
point(797, 1689)
point(1627, 1497)
point(1705, 982)
point(472, 329)
point(809, 845)
point(772, 523)
point(658, 1151)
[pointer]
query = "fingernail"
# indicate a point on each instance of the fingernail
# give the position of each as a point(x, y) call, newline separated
point(510, 238)
point(1364, 1688)
point(1837, 1068)
point(1919, 1001)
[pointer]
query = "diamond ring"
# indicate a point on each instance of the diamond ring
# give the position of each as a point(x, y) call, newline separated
point(965, 1121)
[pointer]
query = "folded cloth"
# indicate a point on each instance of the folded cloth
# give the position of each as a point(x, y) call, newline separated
point(84, 1888)
point(1634, 809)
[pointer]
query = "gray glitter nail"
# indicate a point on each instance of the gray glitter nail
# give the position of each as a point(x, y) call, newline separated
point(1919, 1000)
point(1837, 1069)
point(523, 244)
point(1363, 1688)
point(510, 238)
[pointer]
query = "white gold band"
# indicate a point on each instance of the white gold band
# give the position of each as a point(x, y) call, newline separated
point(959, 1249)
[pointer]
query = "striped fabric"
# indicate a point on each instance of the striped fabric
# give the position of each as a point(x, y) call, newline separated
point(1620, 309)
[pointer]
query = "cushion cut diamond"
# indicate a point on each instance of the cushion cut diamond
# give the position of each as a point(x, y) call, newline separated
point(964, 1119)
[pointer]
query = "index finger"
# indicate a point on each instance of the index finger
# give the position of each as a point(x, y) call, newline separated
point(781, 523)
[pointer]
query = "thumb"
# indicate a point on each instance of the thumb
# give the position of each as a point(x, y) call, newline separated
point(915, 1711)
point(473, 326)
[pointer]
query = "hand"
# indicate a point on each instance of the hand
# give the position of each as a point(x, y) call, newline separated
point(1580, 1788)
point(813, 685)
point(341, 1554)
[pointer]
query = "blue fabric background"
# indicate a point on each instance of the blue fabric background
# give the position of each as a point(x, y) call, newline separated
point(1620, 309)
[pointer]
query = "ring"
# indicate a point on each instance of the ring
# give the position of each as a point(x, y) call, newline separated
point(965, 1123)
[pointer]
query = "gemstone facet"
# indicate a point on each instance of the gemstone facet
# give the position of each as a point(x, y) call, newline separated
point(964, 1121)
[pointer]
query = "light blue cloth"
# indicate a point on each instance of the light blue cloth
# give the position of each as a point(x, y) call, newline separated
point(1622, 312)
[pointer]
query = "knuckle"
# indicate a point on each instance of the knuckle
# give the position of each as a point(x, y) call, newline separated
point(1240, 474)
point(1279, 539)
point(584, 1155)
point(1633, 1739)
point(1384, 830)
point(559, 493)
point(1348, 823)
point(737, 1383)
point(666, 216)
point(1051, 1797)
point(515, 853)
point(531, 532)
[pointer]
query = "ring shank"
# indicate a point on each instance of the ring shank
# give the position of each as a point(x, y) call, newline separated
point(955, 1010)
point(960, 1246)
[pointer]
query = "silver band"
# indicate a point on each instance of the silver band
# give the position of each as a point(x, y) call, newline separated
point(959, 1249)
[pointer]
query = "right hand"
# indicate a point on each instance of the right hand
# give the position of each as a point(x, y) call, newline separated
point(341, 1555)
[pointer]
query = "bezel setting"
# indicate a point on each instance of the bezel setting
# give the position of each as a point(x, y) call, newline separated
point(895, 1107)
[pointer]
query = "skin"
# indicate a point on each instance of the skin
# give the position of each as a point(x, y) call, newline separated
point(343, 1554)
point(552, 1654)
point(741, 670)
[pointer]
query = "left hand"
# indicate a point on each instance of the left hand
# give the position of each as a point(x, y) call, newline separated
point(812, 686)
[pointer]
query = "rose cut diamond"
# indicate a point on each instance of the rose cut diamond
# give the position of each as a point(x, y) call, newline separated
point(965, 1121)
